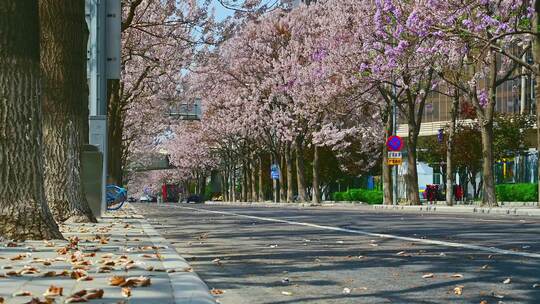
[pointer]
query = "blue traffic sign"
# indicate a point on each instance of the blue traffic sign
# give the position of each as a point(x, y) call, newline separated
point(394, 143)
point(274, 171)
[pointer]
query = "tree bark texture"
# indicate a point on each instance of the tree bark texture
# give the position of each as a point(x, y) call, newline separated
point(115, 147)
point(254, 197)
point(450, 150)
point(387, 169)
point(489, 197)
point(300, 170)
point(24, 213)
point(244, 184)
point(248, 181)
point(65, 95)
point(289, 166)
point(536, 55)
point(412, 171)
point(282, 179)
point(261, 180)
point(316, 199)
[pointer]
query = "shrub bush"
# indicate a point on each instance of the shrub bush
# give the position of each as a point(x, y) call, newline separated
point(517, 192)
point(361, 195)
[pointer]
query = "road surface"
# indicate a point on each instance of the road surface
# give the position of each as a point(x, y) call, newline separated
point(329, 255)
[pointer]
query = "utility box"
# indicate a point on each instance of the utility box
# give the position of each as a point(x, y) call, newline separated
point(92, 177)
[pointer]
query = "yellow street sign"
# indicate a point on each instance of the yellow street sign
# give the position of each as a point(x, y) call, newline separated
point(395, 161)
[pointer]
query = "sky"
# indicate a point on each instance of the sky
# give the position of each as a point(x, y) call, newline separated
point(221, 12)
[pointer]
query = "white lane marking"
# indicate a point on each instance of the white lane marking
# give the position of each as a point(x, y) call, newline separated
point(380, 235)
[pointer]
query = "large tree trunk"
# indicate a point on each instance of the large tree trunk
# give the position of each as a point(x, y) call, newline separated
point(536, 55)
point(289, 165)
point(412, 172)
point(115, 148)
point(489, 198)
point(253, 172)
point(202, 191)
point(65, 95)
point(316, 199)
point(224, 186)
point(450, 150)
point(24, 213)
point(300, 171)
point(244, 184)
point(261, 181)
point(248, 181)
point(282, 178)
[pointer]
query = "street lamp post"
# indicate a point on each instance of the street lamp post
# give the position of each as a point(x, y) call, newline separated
point(103, 63)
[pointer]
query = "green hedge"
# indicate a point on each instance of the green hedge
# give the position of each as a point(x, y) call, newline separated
point(361, 195)
point(517, 192)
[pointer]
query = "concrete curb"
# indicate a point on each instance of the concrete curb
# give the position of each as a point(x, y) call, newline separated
point(516, 211)
point(463, 210)
point(188, 288)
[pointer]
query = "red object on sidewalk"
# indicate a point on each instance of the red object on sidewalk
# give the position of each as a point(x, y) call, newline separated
point(164, 192)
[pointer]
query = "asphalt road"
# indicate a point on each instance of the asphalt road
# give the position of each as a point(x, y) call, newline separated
point(323, 255)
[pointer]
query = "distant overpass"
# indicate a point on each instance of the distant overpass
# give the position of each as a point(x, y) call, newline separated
point(149, 162)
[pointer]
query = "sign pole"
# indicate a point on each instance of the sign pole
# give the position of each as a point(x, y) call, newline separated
point(394, 132)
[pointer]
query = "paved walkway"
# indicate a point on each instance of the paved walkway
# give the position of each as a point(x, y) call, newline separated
point(122, 250)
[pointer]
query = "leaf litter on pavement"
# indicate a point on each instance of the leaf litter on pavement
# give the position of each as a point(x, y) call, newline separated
point(80, 256)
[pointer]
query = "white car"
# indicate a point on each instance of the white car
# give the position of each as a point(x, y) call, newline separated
point(147, 199)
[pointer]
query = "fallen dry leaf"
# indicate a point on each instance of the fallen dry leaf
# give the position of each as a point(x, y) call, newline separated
point(94, 294)
point(22, 293)
point(116, 280)
point(458, 290)
point(105, 269)
point(18, 257)
point(78, 273)
point(126, 292)
point(136, 282)
point(85, 278)
point(216, 292)
point(428, 276)
point(28, 270)
point(38, 301)
point(75, 300)
point(49, 274)
point(53, 291)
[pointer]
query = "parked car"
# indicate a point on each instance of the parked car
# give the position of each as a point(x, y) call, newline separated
point(193, 199)
point(131, 199)
point(148, 199)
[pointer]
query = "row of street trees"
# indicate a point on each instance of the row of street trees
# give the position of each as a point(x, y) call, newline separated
point(44, 100)
point(326, 75)
point(43, 110)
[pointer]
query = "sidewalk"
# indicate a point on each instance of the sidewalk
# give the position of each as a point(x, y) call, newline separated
point(122, 259)
point(509, 211)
